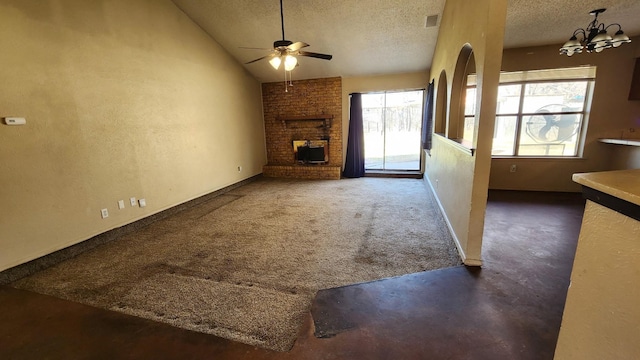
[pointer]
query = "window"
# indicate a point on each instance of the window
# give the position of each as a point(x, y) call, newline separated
point(392, 123)
point(539, 113)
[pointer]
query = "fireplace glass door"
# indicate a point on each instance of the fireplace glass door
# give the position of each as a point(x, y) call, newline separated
point(392, 124)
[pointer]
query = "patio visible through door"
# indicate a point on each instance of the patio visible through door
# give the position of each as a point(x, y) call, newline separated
point(392, 128)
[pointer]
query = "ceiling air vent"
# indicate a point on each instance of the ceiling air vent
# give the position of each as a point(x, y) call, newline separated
point(431, 21)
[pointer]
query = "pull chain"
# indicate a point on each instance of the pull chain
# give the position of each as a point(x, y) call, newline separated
point(286, 88)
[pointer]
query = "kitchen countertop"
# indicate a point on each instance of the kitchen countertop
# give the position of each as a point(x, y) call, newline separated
point(629, 142)
point(623, 184)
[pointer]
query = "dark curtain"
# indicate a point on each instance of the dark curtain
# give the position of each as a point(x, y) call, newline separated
point(427, 119)
point(354, 165)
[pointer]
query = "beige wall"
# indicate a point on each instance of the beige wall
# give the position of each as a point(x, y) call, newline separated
point(600, 319)
point(122, 99)
point(611, 115)
point(363, 84)
point(623, 157)
point(460, 179)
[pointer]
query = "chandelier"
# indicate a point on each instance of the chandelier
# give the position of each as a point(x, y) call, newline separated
point(594, 37)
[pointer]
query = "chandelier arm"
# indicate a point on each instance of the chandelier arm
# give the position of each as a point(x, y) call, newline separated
point(578, 32)
point(618, 25)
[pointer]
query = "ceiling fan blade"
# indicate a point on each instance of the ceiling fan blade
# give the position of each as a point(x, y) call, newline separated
point(254, 48)
point(258, 59)
point(297, 46)
point(315, 55)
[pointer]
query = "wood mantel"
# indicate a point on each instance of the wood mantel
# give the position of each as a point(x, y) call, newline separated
point(325, 119)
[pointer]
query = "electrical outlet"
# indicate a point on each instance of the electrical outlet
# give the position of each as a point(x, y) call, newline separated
point(120, 204)
point(104, 213)
point(513, 168)
point(15, 121)
point(132, 201)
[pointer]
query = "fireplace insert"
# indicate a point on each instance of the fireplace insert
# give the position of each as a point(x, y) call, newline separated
point(311, 151)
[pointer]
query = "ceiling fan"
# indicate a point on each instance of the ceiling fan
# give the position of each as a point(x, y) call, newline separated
point(286, 51)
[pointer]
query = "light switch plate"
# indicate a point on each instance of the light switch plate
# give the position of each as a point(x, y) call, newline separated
point(120, 204)
point(142, 202)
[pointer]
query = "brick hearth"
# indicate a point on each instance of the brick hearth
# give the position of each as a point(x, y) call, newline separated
point(310, 110)
point(326, 172)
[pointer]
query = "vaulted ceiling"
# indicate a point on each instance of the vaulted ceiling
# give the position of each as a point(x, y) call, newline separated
point(370, 37)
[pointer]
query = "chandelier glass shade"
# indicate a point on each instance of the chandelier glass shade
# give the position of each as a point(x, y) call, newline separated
point(594, 38)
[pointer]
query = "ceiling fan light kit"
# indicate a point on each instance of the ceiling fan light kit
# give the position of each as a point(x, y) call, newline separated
point(594, 38)
point(285, 51)
point(290, 62)
point(275, 62)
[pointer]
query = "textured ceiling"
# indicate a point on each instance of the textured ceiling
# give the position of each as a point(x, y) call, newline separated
point(369, 37)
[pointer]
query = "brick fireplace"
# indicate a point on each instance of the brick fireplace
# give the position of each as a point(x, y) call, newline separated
point(311, 110)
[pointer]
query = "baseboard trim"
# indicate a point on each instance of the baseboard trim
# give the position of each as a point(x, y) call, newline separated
point(400, 174)
point(465, 260)
point(31, 267)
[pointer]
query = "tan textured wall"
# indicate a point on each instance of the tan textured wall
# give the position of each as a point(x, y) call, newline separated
point(611, 116)
point(460, 179)
point(601, 318)
point(304, 98)
point(363, 84)
point(122, 99)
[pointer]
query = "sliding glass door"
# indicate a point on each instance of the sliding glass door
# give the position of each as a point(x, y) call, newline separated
point(392, 128)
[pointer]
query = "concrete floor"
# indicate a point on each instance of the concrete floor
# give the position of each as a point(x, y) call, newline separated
point(509, 309)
